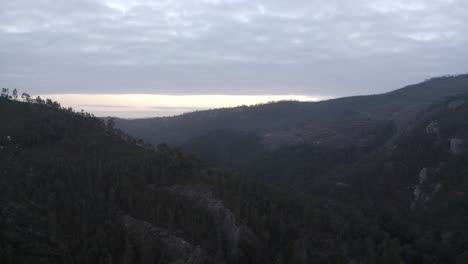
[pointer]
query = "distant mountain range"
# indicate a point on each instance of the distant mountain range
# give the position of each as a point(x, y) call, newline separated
point(291, 122)
point(259, 140)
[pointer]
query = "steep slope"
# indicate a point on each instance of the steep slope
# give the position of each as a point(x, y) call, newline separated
point(420, 182)
point(74, 190)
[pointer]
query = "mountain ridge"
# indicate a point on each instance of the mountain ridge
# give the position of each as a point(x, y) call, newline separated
point(400, 106)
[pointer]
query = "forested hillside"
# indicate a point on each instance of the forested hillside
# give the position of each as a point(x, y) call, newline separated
point(419, 182)
point(74, 190)
point(299, 145)
point(399, 158)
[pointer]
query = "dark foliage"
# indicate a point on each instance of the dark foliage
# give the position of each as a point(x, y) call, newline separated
point(73, 190)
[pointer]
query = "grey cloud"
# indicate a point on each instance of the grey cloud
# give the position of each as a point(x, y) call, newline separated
point(322, 47)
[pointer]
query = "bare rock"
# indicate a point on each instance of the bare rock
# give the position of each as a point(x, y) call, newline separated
point(417, 192)
point(428, 186)
point(423, 176)
point(457, 146)
point(232, 233)
point(204, 198)
point(455, 105)
point(433, 128)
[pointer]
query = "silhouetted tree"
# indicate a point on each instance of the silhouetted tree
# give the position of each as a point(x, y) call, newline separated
point(15, 94)
point(49, 102)
point(5, 92)
point(56, 104)
point(39, 100)
point(26, 97)
point(110, 123)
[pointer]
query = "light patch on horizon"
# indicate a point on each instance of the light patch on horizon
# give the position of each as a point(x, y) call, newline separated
point(153, 105)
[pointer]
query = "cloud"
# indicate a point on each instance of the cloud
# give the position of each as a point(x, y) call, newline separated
point(335, 47)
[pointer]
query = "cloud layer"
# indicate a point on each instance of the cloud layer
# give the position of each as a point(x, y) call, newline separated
point(321, 47)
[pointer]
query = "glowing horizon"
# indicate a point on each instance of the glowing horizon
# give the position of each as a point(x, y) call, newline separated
point(156, 105)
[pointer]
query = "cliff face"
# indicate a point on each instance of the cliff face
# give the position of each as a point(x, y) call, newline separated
point(235, 238)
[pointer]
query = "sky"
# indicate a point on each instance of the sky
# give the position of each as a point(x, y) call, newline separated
point(246, 51)
point(154, 105)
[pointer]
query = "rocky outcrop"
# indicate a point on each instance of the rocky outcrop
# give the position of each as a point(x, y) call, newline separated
point(428, 185)
point(433, 128)
point(423, 176)
point(457, 146)
point(236, 237)
point(202, 197)
point(157, 245)
point(455, 105)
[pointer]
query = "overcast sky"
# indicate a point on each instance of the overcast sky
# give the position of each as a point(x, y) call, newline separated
point(242, 47)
